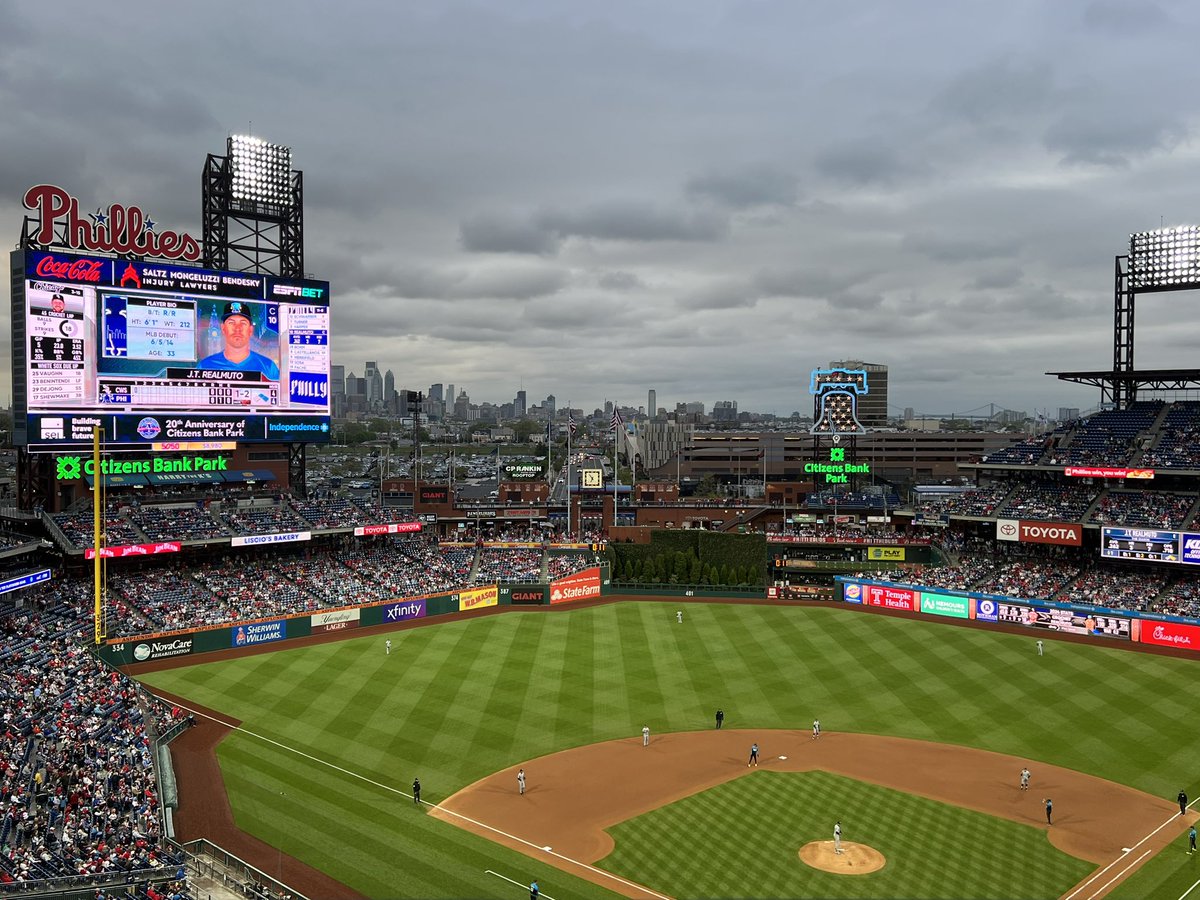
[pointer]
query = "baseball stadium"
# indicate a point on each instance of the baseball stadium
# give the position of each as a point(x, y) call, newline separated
point(228, 674)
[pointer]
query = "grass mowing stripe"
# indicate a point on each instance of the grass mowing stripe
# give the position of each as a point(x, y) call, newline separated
point(1001, 696)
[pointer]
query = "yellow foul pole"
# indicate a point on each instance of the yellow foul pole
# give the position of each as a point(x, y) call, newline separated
point(97, 536)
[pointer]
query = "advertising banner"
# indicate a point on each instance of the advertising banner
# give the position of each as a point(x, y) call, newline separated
point(945, 605)
point(164, 649)
point(1065, 620)
point(583, 585)
point(338, 620)
point(391, 528)
point(852, 592)
point(1107, 472)
point(133, 550)
point(1030, 532)
point(523, 594)
point(259, 633)
point(24, 581)
point(987, 610)
point(255, 540)
point(887, 554)
point(890, 597)
point(477, 598)
point(1191, 549)
point(1171, 634)
point(403, 612)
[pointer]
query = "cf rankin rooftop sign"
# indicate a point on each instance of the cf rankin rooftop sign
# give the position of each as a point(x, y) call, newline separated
point(122, 230)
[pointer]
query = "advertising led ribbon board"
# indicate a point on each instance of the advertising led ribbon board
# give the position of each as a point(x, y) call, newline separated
point(150, 352)
point(1148, 544)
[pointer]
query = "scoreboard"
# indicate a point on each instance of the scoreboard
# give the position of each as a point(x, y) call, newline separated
point(1140, 544)
point(153, 351)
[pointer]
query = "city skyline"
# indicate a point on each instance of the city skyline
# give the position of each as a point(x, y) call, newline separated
point(708, 198)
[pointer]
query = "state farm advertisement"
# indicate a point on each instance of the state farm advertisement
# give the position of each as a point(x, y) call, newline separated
point(133, 550)
point(478, 598)
point(391, 528)
point(890, 597)
point(338, 620)
point(583, 585)
point(1067, 534)
point(1170, 634)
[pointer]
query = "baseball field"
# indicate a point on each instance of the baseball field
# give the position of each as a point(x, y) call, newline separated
point(926, 727)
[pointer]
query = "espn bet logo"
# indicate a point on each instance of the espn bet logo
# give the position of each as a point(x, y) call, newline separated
point(68, 468)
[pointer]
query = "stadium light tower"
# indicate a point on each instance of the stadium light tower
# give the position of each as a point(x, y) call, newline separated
point(254, 188)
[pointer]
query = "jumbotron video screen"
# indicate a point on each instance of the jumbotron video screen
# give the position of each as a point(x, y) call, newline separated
point(150, 351)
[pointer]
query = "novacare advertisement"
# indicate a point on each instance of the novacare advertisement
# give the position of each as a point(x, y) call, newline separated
point(946, 605)
point(583, 585)
point(478, 598)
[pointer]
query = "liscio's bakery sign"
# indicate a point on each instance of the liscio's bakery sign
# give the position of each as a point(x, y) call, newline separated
point(121, 230)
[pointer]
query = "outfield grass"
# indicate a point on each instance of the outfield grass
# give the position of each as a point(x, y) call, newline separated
point(754, 826)
point(459, 700)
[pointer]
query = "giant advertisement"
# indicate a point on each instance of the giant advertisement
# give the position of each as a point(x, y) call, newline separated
point(1170, 634)
point(1062, 533)
point(152, 351)
point(945, 605)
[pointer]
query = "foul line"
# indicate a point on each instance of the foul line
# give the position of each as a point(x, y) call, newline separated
point(1124, 856)
point(517, 883)
point(448, 812)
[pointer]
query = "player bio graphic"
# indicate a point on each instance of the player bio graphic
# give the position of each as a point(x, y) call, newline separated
point(835, 400)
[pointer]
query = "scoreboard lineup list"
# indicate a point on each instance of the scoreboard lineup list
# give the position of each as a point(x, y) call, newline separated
point(62, 365)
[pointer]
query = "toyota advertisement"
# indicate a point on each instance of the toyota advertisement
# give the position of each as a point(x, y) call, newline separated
point(1065, 534)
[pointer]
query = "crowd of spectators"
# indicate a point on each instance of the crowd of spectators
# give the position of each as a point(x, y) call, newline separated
point(561, 564)
point(1119, 587)
point(494, 564)
point(273, 519)
point(1178, 443)
point(178, 522)
point(1151, 509)
point(80, 796)
point(77, 528)
point(1050, 501)
point(979, 502)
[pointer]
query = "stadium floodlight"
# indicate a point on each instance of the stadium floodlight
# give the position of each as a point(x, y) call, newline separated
point(261, 171)
point(1165, 259)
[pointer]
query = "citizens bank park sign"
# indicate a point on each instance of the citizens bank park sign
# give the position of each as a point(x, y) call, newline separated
point(120, 230)
point(1064, 533)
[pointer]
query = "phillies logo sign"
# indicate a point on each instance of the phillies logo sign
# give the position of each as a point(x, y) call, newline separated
point(123, 230)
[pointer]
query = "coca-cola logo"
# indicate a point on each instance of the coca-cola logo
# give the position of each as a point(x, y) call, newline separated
point(88, 270)
point(123, 230)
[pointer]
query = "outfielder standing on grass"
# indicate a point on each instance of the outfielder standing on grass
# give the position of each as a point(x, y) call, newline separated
point(387, 647)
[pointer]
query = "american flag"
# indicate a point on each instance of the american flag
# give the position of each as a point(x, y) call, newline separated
point(617, 422)
point(571, 426)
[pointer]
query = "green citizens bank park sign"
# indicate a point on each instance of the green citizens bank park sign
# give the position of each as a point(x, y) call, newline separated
point(837, 470)
point(71, 468)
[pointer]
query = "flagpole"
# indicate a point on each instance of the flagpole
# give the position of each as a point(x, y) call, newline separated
point(616, 423)
point(570, 428)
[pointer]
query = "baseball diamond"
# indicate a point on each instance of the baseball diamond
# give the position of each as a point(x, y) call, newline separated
point(925, 730)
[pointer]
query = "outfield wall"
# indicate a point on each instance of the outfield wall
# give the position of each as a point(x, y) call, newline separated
point(1098, 623)
point(587, 584)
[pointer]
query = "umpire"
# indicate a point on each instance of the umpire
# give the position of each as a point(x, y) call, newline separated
point(1182, 802)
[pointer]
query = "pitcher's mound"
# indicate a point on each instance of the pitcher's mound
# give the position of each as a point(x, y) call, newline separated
point(855, 859)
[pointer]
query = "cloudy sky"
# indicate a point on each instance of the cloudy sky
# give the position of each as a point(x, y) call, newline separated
point(706, 198)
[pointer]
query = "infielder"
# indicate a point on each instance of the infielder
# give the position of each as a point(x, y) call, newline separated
point(816, 728)
point(521, 781)
point(645, 735)
point(837, 836)
point(1025, 779)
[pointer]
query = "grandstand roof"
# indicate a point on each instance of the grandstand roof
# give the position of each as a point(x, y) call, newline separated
point(1152, 379)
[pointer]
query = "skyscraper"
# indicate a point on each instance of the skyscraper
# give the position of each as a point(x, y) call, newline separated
point(519, 406)
point(651, 404)
point(873, 406)
point(337, 391)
